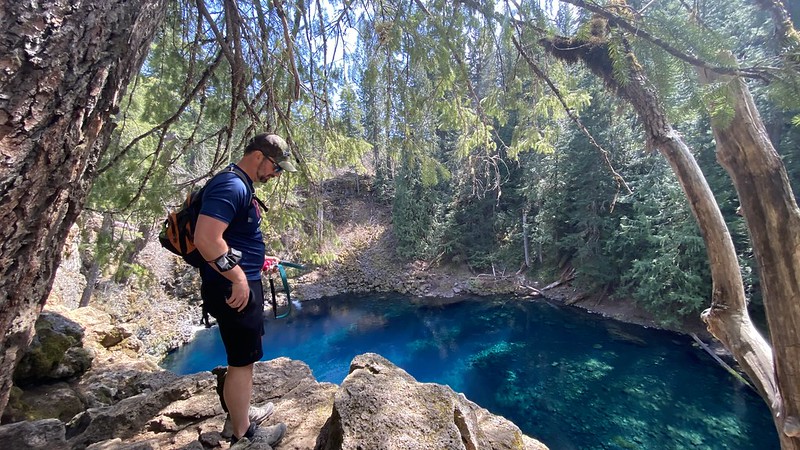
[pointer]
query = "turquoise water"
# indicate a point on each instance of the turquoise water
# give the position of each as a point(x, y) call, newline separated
point(571, 379)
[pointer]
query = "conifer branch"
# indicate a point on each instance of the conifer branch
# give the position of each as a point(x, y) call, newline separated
point(496, 15)
point(325, 77)
point(636, 30)
point(423, 7)
point(190, 141)
point(646, 6)
point(150, 170)
point(473, 93)
point(289, 46)
point(261, 20)
point(694, 13)
point(233, 26)
point(236, 63)
point(787, 34)
point(170, 120)
point(572, 115)
point(479, 109)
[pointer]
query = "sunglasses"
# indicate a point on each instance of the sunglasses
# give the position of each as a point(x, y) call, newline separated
point(276, 168)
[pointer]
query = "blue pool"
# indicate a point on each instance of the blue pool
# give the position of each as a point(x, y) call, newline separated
point(571, 379)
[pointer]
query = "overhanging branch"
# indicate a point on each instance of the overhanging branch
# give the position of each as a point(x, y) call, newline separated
point(572, 115)
point(636, 30)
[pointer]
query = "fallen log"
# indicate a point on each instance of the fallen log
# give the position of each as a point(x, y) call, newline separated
point(722, 363)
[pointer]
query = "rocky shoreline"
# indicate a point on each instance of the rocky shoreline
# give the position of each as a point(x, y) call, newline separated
point(136, 406)
point(126, 401)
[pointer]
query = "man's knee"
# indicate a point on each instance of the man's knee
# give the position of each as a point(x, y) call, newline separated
point(234, 371)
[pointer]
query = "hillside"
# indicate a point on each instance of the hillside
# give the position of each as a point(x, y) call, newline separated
point(367, 262)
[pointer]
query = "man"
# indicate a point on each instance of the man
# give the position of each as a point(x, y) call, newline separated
point(228, 235)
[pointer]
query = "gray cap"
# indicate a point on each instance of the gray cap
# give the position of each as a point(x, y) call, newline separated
point(272, 146)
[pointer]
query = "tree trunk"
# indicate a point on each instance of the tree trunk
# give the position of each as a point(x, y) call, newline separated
point(773, 220)
point(63, 70)
point(525, 238)
point(727, 319)
point(91, 282)
point(123, 273)
point(103, 235)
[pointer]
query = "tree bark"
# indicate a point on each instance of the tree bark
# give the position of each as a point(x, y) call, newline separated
point(63, 70)
point(773, 220)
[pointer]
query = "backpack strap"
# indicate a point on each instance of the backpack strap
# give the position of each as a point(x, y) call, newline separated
point(260, 203)
point(239, 173)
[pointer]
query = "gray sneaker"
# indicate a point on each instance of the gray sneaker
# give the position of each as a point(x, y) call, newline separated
point(260, 436)
point(257, 414)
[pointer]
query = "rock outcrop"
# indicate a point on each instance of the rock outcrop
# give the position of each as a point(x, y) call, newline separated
point(378, 406)
point(55, 353)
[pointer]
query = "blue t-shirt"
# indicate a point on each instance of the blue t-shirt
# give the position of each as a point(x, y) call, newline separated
point(226, 198)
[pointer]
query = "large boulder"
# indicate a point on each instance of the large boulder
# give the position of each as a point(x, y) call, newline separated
point(186, 413)
point(102, 331)
point(380, 406)
point(118, 380)
point(56, 352)
point(132, 416)
point(301, 402)
point(47, 434)
point(49, 401)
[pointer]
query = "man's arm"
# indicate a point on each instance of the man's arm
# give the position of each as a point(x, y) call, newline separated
point(208, 239)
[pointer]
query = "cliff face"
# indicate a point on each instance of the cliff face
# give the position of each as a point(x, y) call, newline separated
point(377, 406)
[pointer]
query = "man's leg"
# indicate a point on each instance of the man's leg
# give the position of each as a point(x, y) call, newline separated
point(241, 334)
point(237, 392)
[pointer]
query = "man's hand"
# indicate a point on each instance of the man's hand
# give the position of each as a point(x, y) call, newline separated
point(270, 264)
point(240, 294)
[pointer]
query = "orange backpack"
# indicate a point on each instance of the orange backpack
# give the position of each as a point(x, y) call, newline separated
point(177, 232)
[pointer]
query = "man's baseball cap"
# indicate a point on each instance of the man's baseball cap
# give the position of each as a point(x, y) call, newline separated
point(272, 146)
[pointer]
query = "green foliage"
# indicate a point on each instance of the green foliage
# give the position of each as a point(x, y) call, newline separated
point(660, 252)
point(141, 274)
point(413, 211)
point(458, 132)
point(718, 102)
point(342, 151)
point(574, 199)
point(620, 62)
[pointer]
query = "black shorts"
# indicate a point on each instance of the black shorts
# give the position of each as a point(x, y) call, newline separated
point(241, 331)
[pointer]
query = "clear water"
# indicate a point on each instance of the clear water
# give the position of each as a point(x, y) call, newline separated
point(571, 379)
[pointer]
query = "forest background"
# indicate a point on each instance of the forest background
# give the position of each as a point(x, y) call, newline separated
point(491, 151)
point(476, 155)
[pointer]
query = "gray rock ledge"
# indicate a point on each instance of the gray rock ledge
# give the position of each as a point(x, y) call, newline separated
point(378, 407)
